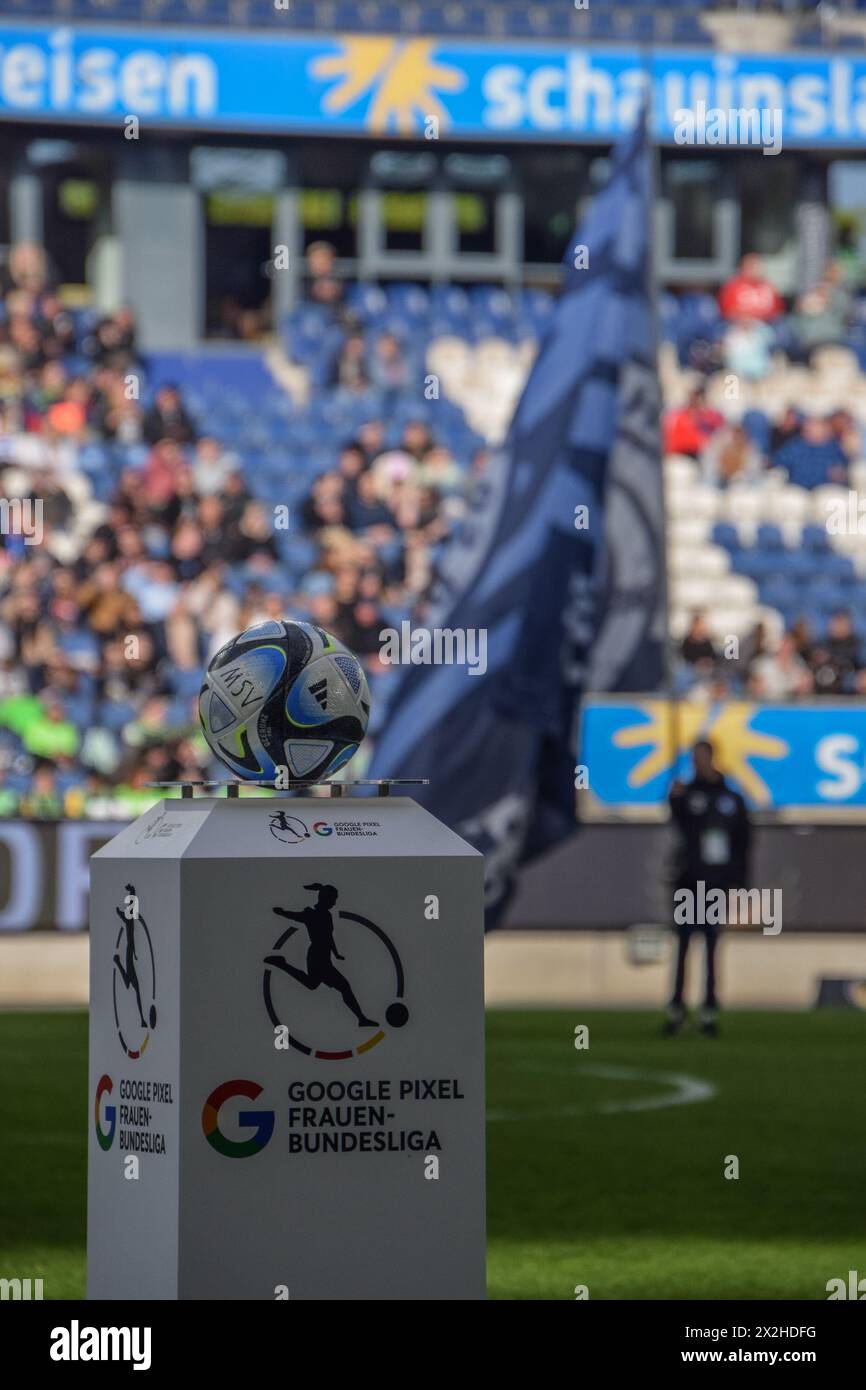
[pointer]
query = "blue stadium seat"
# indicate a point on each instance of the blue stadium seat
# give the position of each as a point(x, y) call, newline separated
point(726, 535)
point(841, 567)
point(492, 301)
point(94, 458)
point(184, 681)
point(79, 710)
point(451, 303)
point(131, 455)
point(299, 553)
point(815, 539)
point(301, 14)
point(687, 28)
point(758, 428)
point(756, 564)
point(67, 780)
point(668, 310)
point(777, 592)
point(366, 299)
point(411, 301)
point(178, 712)
point(769, 538)
point(629, 21)
point(19, 782)
point(799, 565)
point(533, 313)
point(537, 22)
point(114, 715)
point(440, 19)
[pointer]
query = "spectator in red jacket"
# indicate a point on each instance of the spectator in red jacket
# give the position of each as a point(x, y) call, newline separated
point(749, 295)
point(687, 430)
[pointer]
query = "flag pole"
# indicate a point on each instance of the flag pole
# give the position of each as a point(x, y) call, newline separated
point(672, 699)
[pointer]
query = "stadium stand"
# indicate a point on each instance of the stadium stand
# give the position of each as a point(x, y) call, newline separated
point(776, 22)
point(760, 469)
point(185, 497)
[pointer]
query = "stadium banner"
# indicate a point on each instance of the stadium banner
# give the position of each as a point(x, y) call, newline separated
point(44, 867)
point(422, 87)
point(807, 758)
point(45, 871)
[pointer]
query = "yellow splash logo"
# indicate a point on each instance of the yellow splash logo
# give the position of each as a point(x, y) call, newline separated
point(673, 729)
point(400, 75)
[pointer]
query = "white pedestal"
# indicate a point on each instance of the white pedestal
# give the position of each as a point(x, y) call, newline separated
point(286, 1106)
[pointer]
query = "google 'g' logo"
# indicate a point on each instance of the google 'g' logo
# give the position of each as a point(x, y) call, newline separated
point(322, 827)
point(261, 1121)
point(105, 1138)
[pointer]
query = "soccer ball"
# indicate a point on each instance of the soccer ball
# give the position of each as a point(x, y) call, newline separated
point(284, 695)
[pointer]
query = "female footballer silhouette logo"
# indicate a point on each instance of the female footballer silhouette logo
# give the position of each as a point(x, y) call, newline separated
point(288, 828)
point(134, 1027)
point(321, 970)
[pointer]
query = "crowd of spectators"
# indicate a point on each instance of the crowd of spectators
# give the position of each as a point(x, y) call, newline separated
point(754, 328)
point(750, 320)
point(139, 575)
point(107, 622)
point(794, 665)
point(812, 450)
point(754, 325)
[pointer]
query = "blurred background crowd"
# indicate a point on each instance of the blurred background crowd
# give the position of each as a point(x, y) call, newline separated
point(175, 513)
point(157, 545)
point(762, 463)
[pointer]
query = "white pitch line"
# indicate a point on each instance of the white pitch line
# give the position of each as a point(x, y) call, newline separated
point(685, 1090)
point(688, 1090)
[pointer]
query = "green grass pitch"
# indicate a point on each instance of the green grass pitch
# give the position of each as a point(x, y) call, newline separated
point(605, 1166)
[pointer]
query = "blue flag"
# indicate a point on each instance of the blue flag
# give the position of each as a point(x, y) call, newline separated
point(555, 580)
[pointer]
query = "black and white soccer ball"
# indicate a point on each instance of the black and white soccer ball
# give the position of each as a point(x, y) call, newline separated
point(284, 695)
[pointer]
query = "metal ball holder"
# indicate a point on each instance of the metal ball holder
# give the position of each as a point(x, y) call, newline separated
point(233, 787)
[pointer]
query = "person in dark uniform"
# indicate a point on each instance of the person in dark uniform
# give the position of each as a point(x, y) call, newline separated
point(713, 833)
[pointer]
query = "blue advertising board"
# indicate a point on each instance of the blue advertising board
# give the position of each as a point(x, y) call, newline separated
point(378, 85)
point(809, 757)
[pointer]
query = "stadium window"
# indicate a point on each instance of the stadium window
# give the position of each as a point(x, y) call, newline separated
point(329, 214)
point(475, 219)
point(551, 183)
point(239, 187)
point(476, 181)
point(769, 191)
point(240, 209)
point(238, 249)
point(74, 201)
point(401, 180)
point(846, 183)
point(403, 217)
point(693, 188)
point(78, 198)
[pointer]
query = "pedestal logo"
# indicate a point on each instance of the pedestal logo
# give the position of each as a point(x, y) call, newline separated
point(134, 978)
point(332, 973)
